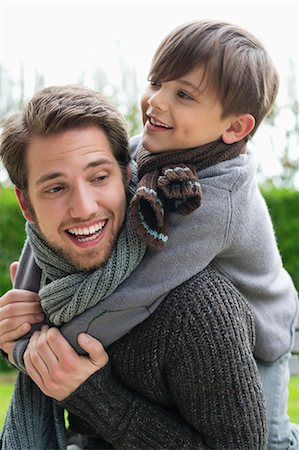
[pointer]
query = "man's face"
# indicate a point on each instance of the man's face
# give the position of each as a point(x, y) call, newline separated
point(76, 194)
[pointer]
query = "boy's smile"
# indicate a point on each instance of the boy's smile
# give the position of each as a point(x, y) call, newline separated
point(76, 194)
point(183, 113)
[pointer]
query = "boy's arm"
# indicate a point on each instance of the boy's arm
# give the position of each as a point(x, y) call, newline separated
point(28, 274)
point(193, 241)
point(20, 310)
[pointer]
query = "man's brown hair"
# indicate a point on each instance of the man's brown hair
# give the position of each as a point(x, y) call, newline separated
point(56, 109)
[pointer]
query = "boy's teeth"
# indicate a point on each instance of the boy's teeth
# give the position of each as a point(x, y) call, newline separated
point(158, 124)
point(86, 231)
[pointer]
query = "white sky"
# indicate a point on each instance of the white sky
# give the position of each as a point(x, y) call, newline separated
point(61, 39)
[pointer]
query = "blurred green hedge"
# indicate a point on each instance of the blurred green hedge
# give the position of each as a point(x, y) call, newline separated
point(12, 234)
point(283, 205)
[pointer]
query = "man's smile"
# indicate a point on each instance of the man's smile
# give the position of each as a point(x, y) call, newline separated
point(87, 230)
point(87, 234)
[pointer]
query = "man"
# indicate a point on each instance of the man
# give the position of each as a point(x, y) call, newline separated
point(183, 378)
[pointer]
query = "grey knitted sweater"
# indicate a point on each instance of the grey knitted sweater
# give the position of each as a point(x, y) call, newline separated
point(185, 378)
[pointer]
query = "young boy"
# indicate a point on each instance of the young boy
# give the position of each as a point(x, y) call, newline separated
point(210, 86)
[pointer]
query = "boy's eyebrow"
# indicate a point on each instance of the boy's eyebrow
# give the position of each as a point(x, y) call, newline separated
point(52, 175)
point(191, 85)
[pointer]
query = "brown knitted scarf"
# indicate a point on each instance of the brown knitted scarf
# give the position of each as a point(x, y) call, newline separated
point(168, 182)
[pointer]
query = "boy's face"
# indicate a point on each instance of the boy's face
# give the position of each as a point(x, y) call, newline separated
point(76, 194)
point(182, 113)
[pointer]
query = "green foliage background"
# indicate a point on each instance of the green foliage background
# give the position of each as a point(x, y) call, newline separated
point(12, 234)
point(283, 205)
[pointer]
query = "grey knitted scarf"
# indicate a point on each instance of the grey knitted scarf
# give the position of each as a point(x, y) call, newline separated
point(35, 421)
point(65, 292)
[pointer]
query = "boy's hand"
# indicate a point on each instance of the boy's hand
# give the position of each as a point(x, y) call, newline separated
point(54, 365)
point(19, 309)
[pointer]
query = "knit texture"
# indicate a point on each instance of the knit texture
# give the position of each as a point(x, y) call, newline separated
point(185, 378)
point(37, 424)
point(168, 181)
point(70, 292)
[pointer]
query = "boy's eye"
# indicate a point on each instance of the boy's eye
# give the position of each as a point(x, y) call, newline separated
point(154, 83)
point(183, 94)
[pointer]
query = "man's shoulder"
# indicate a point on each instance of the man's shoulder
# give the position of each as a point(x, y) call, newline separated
point(208, 287)
point(206, 304)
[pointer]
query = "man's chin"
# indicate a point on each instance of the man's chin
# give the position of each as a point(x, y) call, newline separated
point(88, 267)
point(91, 261)
point(86, 264)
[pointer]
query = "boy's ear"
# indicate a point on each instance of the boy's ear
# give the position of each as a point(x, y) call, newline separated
point(239, 128)
point(24, 205)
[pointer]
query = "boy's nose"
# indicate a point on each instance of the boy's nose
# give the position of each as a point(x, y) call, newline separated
point(158, 100)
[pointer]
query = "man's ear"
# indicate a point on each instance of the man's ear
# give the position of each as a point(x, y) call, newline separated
point(239, 128)
point(23, 202)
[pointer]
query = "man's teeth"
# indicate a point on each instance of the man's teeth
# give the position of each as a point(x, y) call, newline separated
point(158, 124)
point(86, 231)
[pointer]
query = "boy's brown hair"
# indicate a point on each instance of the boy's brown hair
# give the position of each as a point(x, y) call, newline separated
point(56, 109)
point(235, 64)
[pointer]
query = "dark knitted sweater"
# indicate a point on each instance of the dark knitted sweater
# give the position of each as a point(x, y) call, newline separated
point(185, 378)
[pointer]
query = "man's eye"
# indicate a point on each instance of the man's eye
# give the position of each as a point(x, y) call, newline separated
point(100, 178)
point(54, 190)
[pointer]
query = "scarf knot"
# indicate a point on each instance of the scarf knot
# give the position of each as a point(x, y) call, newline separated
point(181, 186)
point(168, 182)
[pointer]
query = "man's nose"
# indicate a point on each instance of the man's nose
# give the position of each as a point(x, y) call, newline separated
point(83, 203)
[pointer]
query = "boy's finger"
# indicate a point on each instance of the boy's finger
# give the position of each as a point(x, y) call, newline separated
point(13, 270)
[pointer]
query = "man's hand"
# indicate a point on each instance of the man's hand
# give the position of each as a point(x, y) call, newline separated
point(54, 365)
point(19, 309)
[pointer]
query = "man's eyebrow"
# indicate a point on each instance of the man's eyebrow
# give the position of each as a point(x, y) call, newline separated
point(52, 175)
point(48, 177)
point(98, 162)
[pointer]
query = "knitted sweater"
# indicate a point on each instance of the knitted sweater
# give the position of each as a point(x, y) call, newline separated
point(185, 378)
